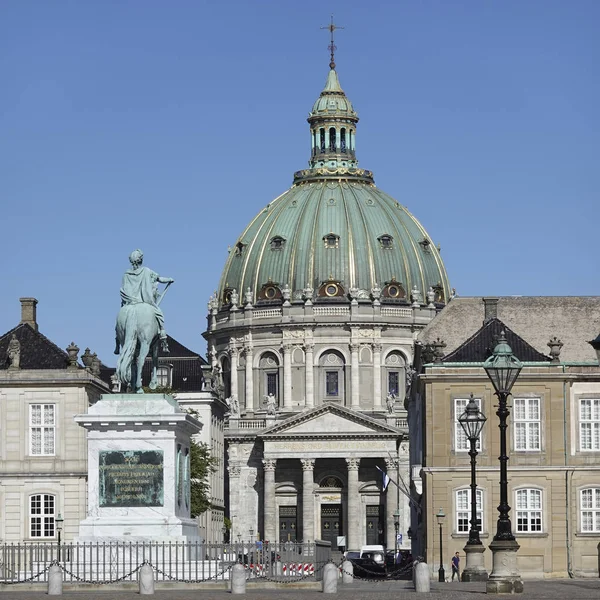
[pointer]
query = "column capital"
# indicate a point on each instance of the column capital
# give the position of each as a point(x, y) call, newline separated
point(269, 464)
point(309, 346)
point(287, 347)
point(354, 347)
point(248, 348)
point(233, 351)
point(233, 470)
point(391, 464)
point(353, 464)
point(377, 347)
point(308, 464)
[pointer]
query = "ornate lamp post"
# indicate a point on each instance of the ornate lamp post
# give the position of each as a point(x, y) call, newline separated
point(503, 368)
point(596, 346)
point(441, 515)
point(251, 532)
point(472, 422)
point(59, 525)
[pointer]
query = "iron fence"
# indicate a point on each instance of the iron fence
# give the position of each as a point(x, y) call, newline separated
point(110, 561)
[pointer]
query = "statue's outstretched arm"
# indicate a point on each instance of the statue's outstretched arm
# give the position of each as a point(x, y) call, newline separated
point(165, 280)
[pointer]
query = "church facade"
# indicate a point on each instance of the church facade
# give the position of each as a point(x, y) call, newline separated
point(310, 336)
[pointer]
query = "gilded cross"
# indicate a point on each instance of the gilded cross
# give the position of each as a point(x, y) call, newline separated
point(332, 47)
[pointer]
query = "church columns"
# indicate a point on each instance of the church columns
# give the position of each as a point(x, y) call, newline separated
point(249, 379)
point(355, 380)
point(233, 354)
point(377, 376)
point(270, 518)
point(309, 375)
point(308, 505)
point(353, 535)
point(287, 376)
point(391, 502)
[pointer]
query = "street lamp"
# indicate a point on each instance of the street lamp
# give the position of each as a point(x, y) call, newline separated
point(396, 527)
point(441, 515)
point(472, 421)
point(251, 532)
point(59, 525)
point(503, 368)
point(596, 346)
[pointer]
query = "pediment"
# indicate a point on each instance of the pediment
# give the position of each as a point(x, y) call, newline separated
point(330, 420)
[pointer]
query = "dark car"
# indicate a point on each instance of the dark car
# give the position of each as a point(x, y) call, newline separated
point(370, 563)
point(399, 565)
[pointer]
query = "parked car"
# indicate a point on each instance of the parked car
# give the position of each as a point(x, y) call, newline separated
point(371, 562)
point(351, 554)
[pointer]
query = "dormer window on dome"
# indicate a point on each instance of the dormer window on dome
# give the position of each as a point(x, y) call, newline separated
point(239, 248)
point(332, 289)
point(394, 289)
point(277, 242)
point(386, 241)
point(332, 240)
point(425, 244)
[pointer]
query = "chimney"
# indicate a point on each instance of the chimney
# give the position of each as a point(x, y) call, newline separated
point(28, 312)
point(490, 309)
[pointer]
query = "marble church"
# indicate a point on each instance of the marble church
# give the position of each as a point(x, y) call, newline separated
point(310, 337)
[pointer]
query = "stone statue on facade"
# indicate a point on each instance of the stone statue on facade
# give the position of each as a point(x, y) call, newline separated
point(390, 401)
point(234, 406)
point(248, 298)
point(430, 297)
point(140, 323)
point(286, 292)
point(307, 294)
point(235, 299)
point(376, 293)
point(13, 353)
point(415, 296)
point(271, 404)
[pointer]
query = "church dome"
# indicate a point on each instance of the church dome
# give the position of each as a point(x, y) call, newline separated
point(333, 226)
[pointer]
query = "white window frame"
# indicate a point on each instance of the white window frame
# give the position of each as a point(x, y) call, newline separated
point(45, 430)
point(462, 512)
point(529, 506)
point(589, 427)
point(589, 510)
point(161, 370)
point(461, 443)
point(526, 423)
point(42, 516)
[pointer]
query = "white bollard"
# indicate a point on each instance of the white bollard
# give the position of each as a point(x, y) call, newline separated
point(238, 579)
point(146, 580)
point(422, 579)
point(347, 572)
point(55, 581)
point(330, 579)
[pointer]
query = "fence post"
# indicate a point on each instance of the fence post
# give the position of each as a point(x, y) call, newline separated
point(347, 572)
point(146, 580)
point(55, 580)
point(330, 579)
point(238, 579)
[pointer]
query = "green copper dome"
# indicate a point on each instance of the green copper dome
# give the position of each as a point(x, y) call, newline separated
point(334, 225)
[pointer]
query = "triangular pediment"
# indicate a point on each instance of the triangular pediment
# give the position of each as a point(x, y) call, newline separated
point(330, 420)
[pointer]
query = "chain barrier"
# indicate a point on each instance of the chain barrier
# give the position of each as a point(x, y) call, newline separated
point(104, 582)
point(292, 579)
point(211, 578)
point(28, 579)
point(383, 577)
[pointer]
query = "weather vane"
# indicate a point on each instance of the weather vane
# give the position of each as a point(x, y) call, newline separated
point(332, 47)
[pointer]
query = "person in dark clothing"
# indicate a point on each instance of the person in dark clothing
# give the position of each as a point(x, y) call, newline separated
point(455, 566)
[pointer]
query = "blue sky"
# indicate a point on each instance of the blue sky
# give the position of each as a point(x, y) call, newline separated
point(169, 125)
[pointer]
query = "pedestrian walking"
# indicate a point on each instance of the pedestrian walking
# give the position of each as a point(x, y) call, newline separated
point(455, 566)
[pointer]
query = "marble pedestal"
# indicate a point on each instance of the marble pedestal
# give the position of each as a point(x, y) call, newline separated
point(505, 577)
point(138, 470)
point(474, 567)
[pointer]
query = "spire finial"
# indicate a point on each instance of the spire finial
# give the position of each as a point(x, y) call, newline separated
point(332, 47)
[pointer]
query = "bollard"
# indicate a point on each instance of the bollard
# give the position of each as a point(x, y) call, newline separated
point(278, 568)
point(146, 580)
point(347, 572)
point(238, 579)
point(422, 579)
point(55, 580)
point(330, 579)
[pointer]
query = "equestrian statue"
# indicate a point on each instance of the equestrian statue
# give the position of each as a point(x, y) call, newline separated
point(140, 324)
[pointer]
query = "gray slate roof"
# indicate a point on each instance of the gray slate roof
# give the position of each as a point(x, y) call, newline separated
point(575, 320)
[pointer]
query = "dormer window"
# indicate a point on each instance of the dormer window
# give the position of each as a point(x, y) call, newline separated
point(277, 243)
point(332, 240)
point(386, 241)
point(425, 243)
point(239, 248)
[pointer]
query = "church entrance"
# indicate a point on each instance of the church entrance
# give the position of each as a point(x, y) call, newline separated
point(287, 523)
point(375, 524)
point(331, 523)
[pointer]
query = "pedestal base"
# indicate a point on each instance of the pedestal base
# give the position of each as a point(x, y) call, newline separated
point(474, 569)
point(505, 577)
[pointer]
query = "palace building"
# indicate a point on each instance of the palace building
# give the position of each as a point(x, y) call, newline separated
point(311, 336)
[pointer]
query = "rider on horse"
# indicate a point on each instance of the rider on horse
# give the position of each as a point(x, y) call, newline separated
point(140, 286)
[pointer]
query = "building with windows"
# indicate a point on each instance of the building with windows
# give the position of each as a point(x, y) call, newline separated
point(43, 453)
point(312, 332)
point(553, 431)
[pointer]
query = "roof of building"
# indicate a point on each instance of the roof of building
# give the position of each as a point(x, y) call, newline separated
point(37, 351)
point(573, 319)
point(481, 344)
point(375, 238)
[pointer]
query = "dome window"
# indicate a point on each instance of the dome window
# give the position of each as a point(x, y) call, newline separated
point(332, 240)
point(277, 242)
point(239, 248)
point(425, 243)
point(386, 241)
point(269, 291)
point(394, 290)
point(331, 289)
point(440, 297)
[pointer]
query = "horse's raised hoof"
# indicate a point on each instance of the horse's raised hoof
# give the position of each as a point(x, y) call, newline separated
point(153, 385)
point(139, 391)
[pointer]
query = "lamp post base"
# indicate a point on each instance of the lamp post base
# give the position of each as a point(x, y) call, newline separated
point(474, 569)
point(505, 577)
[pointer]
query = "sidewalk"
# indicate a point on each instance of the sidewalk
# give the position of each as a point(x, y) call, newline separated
point(550, 589)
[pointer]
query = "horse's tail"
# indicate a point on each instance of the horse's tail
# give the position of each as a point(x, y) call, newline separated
point(128, 344)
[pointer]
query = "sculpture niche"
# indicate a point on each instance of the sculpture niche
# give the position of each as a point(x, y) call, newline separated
point(140, 324)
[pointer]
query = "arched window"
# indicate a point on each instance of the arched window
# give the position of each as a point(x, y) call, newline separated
point(395, 374)
point(269, 367)
point(322, 140)
point(332, 135)
point(463, 510)
point(331, 366)
point(343, 139)
point(529, 510)
point(589, 506)
point(42, 516)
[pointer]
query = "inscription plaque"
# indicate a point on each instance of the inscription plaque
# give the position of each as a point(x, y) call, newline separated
point(131, 478)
